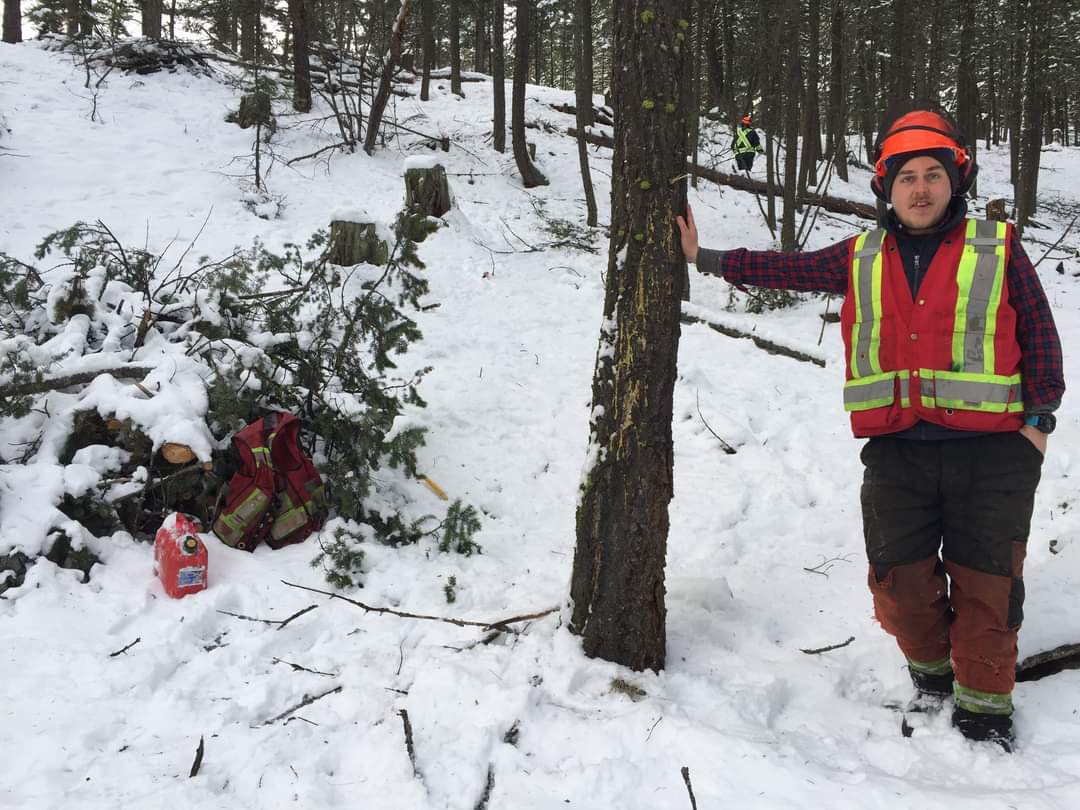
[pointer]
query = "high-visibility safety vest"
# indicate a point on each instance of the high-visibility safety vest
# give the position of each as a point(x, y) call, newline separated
point(950, 354)
point(277, 495)
point(742, 141)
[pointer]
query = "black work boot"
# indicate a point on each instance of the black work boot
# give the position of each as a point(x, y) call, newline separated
point(995, 728)
point(931, 688)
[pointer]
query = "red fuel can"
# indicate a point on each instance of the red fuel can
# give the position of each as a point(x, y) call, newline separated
point(180, 558)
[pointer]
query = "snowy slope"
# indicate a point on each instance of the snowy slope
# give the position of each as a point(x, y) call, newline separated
point(758, 723)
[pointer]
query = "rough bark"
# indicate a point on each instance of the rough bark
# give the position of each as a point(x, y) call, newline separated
point(301, 28)
point(617, 585)
point(1034, 92)
point(354, 242)
point(967, 90)
point(12, 21)
point(498, 76)
point(382, 95)
point(455, 48)
point(151, 18)
point(427, 191)
point(837, 114)
point(427, 43)
point(583, 84)
point(530, 175)
point(792, 96)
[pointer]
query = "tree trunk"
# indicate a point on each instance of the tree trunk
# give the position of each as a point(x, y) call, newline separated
point(151, 19)
point(583, 86)
point(791, 129)
point(249, 12)
point(1017, 26)
point(837, 107)
point(967, 91)
point(811, 144)
point(498, 77)
point(455, 48)
point(480, 40)
point(427, 41)
point(301, 28)
point(530, 175)
point(382, 95)
point(617, 586)
point(12, 21)
point(1034, 91)
point(902, 34)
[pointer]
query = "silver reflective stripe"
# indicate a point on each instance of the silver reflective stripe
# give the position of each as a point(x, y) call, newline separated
point(983, 279)
point(869, 392)
point(866, 318)
point(974, 393)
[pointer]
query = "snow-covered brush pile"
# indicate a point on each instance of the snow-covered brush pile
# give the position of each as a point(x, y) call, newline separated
point(112, 358)
point(136, 55)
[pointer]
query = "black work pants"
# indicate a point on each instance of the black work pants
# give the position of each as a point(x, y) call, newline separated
point(970, 501)
point(745, 161)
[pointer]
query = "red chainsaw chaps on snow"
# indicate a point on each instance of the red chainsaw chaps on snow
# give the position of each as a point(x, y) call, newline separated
point(277, 495)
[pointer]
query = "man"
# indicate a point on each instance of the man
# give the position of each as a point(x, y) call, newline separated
point(746, 144)
point(953, 370)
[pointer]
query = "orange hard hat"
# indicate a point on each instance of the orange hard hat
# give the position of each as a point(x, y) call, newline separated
point(922, 131)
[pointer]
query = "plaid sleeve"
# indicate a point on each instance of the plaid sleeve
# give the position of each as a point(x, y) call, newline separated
point(824, 270)
point(1040, 348)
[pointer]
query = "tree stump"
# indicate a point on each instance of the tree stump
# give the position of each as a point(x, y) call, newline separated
point(355, 242)
point(995, 210)
point(255, 108)
point(427, 191)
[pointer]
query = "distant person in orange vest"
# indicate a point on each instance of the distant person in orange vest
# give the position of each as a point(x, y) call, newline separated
point(746, 144)
point(953, 372)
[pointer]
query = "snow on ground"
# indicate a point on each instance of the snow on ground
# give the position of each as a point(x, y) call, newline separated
point(758, 723)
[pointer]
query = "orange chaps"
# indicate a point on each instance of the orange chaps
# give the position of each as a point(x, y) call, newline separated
point(970, 621)
point(969, 500)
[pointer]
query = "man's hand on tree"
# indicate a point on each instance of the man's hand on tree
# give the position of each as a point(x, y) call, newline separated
point(688, 234)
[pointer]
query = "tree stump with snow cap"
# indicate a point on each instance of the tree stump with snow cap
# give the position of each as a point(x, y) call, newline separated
point(427, 191)
point(356, 242)
point(995, 210)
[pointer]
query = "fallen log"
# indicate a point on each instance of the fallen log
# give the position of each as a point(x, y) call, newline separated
point(837, 205)
point(760, 342)
point(40, 386)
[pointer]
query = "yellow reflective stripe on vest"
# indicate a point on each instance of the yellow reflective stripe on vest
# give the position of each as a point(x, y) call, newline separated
point(866, 284)
point(742, 141)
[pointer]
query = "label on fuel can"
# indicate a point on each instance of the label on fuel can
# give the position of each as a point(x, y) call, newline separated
point(193, 575)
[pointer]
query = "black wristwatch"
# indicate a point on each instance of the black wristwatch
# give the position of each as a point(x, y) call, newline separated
point(1044, 422)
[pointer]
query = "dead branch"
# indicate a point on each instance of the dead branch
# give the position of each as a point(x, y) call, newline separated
point(307, 701)
point(296, 615)
point(279, 622)
point(501, 624)
point(56, 383)
point(298, 668)
point(726, 447)
point(689, 788)
point(819, 650)
point(489, 785)
point(125, 649)
point(825, 564)
point(407, 726)
point(760, 342)
point(198, 760)
point(1059, 241)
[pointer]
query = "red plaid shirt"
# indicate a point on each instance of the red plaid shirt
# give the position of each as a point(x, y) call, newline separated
point(826, 270)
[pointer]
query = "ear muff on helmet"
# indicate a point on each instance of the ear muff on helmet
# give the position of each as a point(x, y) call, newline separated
point(917, 131)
